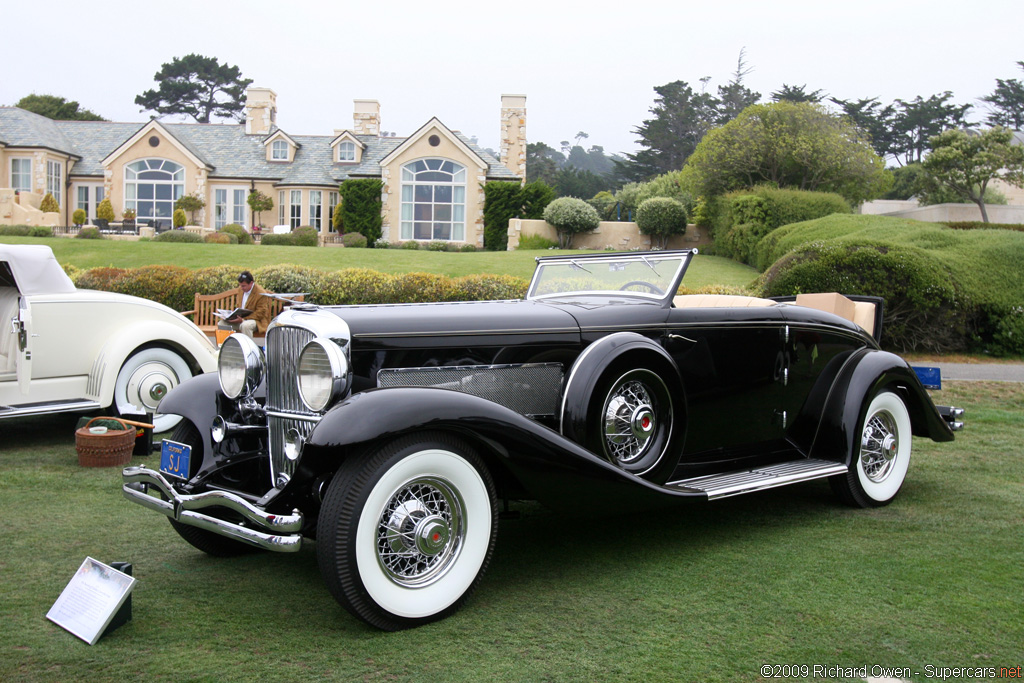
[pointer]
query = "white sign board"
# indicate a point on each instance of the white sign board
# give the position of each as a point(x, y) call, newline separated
point(90, 600)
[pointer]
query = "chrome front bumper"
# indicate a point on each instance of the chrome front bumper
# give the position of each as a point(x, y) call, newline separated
point(279, 533)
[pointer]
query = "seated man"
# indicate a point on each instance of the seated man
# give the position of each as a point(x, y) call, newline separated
point(253, 297)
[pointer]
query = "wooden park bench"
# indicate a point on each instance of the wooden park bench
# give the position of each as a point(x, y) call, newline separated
point(205, 305)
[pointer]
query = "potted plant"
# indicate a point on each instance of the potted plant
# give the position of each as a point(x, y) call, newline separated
point(179, 219)
point(104, 214)
point(128, 219)
point(78, 217)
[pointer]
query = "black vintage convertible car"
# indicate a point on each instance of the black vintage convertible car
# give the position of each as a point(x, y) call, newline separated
point(389, 433)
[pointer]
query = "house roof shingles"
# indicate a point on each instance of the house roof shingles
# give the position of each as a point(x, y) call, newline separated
point(224, 147)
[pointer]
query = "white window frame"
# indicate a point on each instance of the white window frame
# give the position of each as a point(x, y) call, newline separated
point(346, 151)
point(93, 192)
point(27, 175)
point(280, 207)
point(55, 179)
point(227, 208)
point(421, 212)
point(316, 207)
point(279, 150)
point(131, 187)
point(295, 208)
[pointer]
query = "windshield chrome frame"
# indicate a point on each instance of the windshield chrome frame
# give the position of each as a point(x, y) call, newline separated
point(581, 260)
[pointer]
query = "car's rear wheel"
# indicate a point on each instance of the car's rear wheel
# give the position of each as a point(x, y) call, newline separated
point(405, 534)
point(207, 541)
point(144, 379)
point(879, 466)
point(631, 419)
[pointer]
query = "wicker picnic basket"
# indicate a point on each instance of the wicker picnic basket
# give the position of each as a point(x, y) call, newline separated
point(112, 448)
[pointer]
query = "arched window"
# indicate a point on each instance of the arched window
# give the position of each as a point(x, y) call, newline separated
point(151, 186)
point(433, 200)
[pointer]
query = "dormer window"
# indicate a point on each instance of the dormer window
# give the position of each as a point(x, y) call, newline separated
point(347, 151)
point(279, 150)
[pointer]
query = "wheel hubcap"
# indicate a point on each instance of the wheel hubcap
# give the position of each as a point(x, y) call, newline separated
point(629, 422)
point(149, 384)
point(879, 446)
point(420, 532)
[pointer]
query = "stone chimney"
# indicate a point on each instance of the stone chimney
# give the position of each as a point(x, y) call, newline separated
point(366, 117)
point(260, 110)
point(513, 134)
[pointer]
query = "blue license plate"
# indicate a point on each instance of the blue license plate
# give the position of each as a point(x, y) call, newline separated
point(931, 378)
point(175, 458)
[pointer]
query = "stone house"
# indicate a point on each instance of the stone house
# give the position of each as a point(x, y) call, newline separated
point(432, 180)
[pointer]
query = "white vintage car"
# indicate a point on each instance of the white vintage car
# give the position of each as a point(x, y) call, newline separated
point(64, 349)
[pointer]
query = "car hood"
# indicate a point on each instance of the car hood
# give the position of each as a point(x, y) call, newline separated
point(469, 322)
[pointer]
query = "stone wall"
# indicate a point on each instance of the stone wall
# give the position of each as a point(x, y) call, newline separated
point(613, 235)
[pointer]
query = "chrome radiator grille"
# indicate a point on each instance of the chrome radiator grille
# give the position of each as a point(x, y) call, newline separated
point(284, 344)
point(530, 389)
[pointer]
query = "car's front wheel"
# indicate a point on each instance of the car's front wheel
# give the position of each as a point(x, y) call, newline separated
point(144, 379)
point(405, 534)
point(879, 466)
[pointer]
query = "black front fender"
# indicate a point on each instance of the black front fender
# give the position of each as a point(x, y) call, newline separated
point(547, 465)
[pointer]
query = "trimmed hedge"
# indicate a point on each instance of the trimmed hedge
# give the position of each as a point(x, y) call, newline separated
point(945, 290)
point(354, 240)
point(242, 235)
point(221, 238)
point(176, 286)
point(179, 236)
point(748, 216)
point(360, 207)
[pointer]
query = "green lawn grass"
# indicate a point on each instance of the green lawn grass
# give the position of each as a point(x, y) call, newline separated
point(705, 270)
point(704, 593)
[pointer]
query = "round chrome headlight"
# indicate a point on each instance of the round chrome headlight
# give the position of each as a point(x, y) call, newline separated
point(240, 366)
point(323, 373)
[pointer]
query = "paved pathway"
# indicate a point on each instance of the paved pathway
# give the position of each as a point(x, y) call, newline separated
point(978, 372)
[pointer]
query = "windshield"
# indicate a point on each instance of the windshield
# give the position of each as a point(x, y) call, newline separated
point(649, 274)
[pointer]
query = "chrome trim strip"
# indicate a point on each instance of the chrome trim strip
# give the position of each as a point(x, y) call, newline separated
point(45, 408)
point(292, 416)
point(275, 534)
point(464, 333)
point(760, 478)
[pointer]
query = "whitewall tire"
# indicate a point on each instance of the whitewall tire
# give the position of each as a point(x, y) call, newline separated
point(144, 379)
point(879, 465)
point(405, 534)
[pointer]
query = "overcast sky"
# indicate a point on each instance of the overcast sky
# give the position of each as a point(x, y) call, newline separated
point(583, 66)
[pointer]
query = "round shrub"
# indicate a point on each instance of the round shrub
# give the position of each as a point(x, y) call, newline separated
point(216, 279)
point(220, 238)
point(288, 277)
point(97, 278)
point(437, 245)
point(89, 234)
point(172, 286)
point(410, 244)
point(242, 235)
point(272, 240)
point(571, 216)
point(489, 287)
point(78, 217)
point(354, 240)
point(179, 236)
point(467, 247)
point(382, 243)
point(306, 236)
point(357, 286)
point(41, 231)
point(923, 309)
point(660, 218)
point(179, 219)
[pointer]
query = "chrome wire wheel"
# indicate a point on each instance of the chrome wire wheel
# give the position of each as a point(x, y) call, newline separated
point(629, 421)
point(420, 531)
point(635, 420)
point(879, 446)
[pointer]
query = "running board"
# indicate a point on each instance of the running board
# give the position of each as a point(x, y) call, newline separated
point(79, 406)
point(760, 478)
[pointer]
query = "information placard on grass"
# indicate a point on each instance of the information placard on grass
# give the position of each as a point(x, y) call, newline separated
point(89, 602)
